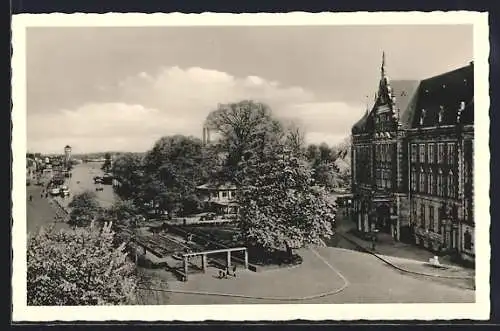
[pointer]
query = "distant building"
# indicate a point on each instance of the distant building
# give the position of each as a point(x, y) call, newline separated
point(219, 198)
point(412, 162)
point(67, 155)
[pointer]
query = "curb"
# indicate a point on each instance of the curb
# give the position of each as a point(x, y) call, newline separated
point(304, 298)
point(221, 294)
point(398, 267)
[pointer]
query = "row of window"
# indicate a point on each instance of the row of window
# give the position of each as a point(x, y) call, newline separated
point(444, 153)
point(428, 217)
point(432, 184)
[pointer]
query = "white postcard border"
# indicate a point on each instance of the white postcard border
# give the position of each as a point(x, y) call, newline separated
point(474, 311)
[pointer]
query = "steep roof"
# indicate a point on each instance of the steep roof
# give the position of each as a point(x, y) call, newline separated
point(443, 93)
point(405, 92)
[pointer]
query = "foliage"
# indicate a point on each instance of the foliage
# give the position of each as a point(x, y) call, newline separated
point(173, 168)
point(84, 209)
point(278, 200)
point(128, 169)
point(280, 203)
point(106, 166)
point(78, 267)
point(323, 160)
point(241, 126)
point(124, 213)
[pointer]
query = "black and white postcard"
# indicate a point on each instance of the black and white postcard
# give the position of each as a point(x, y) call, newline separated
point(238, 167)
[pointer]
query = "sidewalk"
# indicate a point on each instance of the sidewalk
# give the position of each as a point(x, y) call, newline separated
point(409, 258)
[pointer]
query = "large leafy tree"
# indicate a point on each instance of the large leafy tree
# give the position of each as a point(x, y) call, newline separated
point(84, 209)
point(280, 203)
point(78, 267)
point(128, 170)
point(241, 127)
point(322, 159)
point(173, 168)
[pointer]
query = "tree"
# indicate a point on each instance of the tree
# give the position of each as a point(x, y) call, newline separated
point(279, 203)
point(173, 168)
point(128, 171)
point(107, 162)
point(124, 213)
point(323, 159)
point(84, 209)
point(242, 126)
point(78, 267)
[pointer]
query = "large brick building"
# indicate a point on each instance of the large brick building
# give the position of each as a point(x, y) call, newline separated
point(412, 162)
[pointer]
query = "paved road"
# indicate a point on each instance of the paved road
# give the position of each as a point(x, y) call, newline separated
point(369, 281)
point(40, 211)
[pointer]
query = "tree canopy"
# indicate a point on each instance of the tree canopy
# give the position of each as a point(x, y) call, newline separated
point(84, 209)
point(78, 267)
point(242, 126)
point(278, 199)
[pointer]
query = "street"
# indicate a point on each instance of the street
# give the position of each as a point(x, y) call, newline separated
point(42, 211)
point(343, 276)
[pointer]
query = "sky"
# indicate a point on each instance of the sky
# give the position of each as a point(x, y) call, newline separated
point(122, 88)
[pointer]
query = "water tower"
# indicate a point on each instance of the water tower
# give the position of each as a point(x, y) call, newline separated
point(67, 155)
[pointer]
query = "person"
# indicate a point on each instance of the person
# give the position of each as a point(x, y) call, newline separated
point(234, 270)
point(31, 197)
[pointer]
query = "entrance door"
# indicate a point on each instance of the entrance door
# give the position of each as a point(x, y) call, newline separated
point(383, 218)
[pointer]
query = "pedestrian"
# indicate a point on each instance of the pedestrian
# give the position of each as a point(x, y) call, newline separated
point(227, 271)
point(31, 198)
point(234, 270)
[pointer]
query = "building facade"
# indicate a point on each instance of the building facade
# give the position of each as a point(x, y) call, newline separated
point(412, 162)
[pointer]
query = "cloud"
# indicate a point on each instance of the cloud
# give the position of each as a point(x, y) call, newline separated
point(173, 100)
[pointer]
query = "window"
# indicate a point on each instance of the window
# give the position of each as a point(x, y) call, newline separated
point(451, 185)
point(422, 153)
point(467, 240)
point(451, 153)
point(440, 188)
point(440, 153)
point(414, 211)
point(430, 182)
point(389, 179)
point(377, 153)
point(431, 156)
point(422, 187)
point(432, 221)
point(413, 153)
point(422, 216)
point(413, 180)
point(224, 194)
